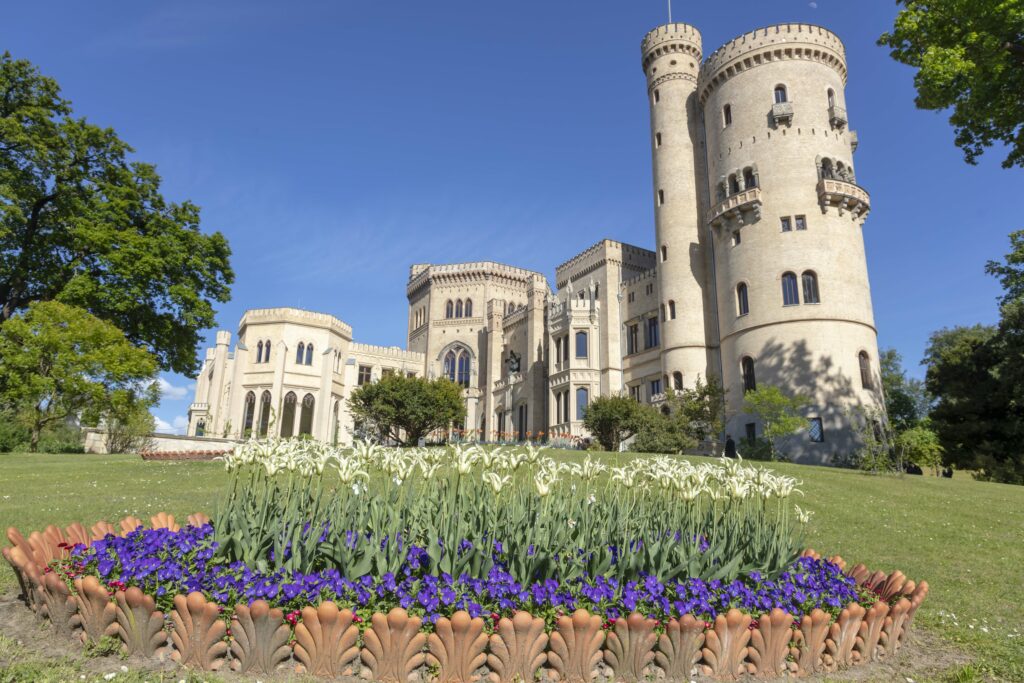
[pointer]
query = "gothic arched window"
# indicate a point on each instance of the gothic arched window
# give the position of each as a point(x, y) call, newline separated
point(865, 370)
point(831, 97)
point(671, 310)
point(747, 369)
point(734, 184)
point(790, 293)
point(259, 352)
point(810, 282)
point(749, 179)
point(582, 399)
point(266, 351)
point(201, 428)
point(581, 344)
point(463, 369)
point(742, 303)
point(677, 380)
point(780, 94)
point(288, 415)
point(458, 308)
point(300, 353)
point(449, 309)
point(309, 354)
point(727, 115)
point(250, 409)
point(306, 417)
point(449, 365)
point(264, 413)
point(468, 309)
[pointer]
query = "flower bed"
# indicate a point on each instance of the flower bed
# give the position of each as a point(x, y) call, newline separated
point(184, 455)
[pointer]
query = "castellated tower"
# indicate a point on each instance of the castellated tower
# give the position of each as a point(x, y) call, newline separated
point(671, 61)
point(786, 215)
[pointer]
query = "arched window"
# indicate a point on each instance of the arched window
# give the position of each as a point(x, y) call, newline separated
point(727, 114)
point(309, 354)
point(831, 97)
point(247, 415)
point(464, 369)
point(749, 179)
point(826, 169)
point(288, 415)
point(581, 344)
point(449, 309)
point(582, 399)
point(264, 413)
point(780, 94)
point(790, 293)
point(671, 310)
point(468, 310)
point(201, 428)
point(306, 418)
point(677, 380)
point(458, 308)
point(449, 366)
point(742, 303)
point(865, 370)
point(840, 170)
point(266, 351)
point(300, 353)
point(259, 352)
point(734, 184)
point(747, 369)
point(664, 252)
point(810, 282)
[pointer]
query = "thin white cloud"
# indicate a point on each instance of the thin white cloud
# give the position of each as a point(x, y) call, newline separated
point(170, 392)
point(177, 425)
point(162, 426)
point(812, 5)
point(180, 424)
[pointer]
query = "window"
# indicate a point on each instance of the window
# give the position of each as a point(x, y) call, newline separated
point(266, 351)
point(787, 224)
point(468, 310)
point(365, 374)
point(387, 372)
point(288, 415)
point(309, 354)
point(747, 368)
point(264, 413)
point(631, 297)
point(565, 406)
point(449, 309)
point(734, 184)
point(558, 406)
point(522, 422)
point(790, 294)
point(810, 282)
point(742, 303)
point(306, 417)
point(458, 308)
point(565, 348)
point(657, 96)
point(751, 431)
point(632, 338)
point(655, 387)
point(865, 370)
point(634, 392)
point(671, 310)
point(582, 398)
point(201, 428)
point(749, 179)
point(449, 365)
point(736, 238)
point(657, 139)
point(651, 333)
point(816, 430)
point(801, 222)
point(464, 369)
point(300, 353)
point(664, 252)
point(727, 114)
point(677, 381)
point(649, 289)
point(661, 197)
point(831, 98)
point(780, 94)
point(247, 416)
point(259, 352)
point(826, 169)
point(581, 344)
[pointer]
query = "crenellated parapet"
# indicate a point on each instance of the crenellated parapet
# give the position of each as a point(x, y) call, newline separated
point(394, 352)
point(469, 273)
point(631, 258)
point(680, 39)
point(296, 316)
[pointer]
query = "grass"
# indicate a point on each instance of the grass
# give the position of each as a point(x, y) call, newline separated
point(966, 538)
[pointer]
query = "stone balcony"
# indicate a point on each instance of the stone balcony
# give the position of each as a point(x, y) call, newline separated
point(737, 207)
point(845, 196)
point(837, 116)
point(782, 112)
point(199, 408)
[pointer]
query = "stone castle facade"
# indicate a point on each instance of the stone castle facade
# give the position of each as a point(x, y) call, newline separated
point(758, 276)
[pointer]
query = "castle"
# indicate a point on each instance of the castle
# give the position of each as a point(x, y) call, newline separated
point(758, 277)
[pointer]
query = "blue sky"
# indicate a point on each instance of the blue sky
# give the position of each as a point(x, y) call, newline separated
point(336, 143)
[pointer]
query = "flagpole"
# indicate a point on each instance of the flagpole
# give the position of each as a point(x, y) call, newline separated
point(670, 11)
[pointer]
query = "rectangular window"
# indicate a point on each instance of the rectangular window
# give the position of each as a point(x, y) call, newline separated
point(657, 139)
point(727, 114)
point(816, 430)
point(655, 387)
point(632, 337)
point(736, 238)
point(651, 333)
point(661, 197)
point(558, 406)
point(558, 350)
point(801, 222)
point(387, 372)
point(634, 393)
point(751, 429)
point(581, 344)
point(787, 225)
point(364, 375)
point(565, 406)
point(657, 96)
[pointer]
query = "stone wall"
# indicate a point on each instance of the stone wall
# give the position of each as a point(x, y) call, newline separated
point(96, 442)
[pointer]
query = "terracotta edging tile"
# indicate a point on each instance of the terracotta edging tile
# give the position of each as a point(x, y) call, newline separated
point(139, 624)
point(198, 633)
point(629, 647)
point(259, 638)
point(725, 645)
point(393, 646)
point(575, 646)
point(769, 643)
point(517, 648)
point(325, 641)
point(457, 647)
point(679, 647)
point(96, 612)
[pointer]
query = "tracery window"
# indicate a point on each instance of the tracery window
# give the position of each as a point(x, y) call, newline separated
point(790, 293)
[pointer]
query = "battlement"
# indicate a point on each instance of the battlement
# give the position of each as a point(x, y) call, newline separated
point(649, 274)
point(771, 43)
point(296, 316)
point(421, 273)
point(395, 352)
point(670, 33)
point(678, 39)
point(597, 255)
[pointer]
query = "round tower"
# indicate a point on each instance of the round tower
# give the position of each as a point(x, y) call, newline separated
point(786, 215)
point(671, 57)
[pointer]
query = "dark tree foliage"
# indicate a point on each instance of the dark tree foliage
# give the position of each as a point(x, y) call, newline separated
point(82, 224)
point(404, 409)
point(906, 399)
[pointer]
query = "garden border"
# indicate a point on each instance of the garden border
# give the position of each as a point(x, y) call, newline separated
point(327, 640)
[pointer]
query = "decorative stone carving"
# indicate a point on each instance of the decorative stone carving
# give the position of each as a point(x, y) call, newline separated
point(198, 634)
point(96, 613)
point(139, 624)
point(843, 636)
point(325, 641)
point(517, 648)
point(769, 643)
point(812, 633)
point(679, 647)
point(725, 646)
point(576, 646)
point(259, 638)
point(456, 647)
point(162, 520)
point(58, 604)
point(393, 646)
point(629, 647)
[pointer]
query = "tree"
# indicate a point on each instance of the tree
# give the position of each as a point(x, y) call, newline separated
point(906, 399)
point(612, 420)
point(921, 446)
point(779, 414)
point(82, 224)
point(60, 362)
point(703, 407)
point(405, 409)
point(969, 56)
point(128, 422)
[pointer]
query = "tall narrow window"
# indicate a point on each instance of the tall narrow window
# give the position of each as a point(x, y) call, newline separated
point(458, 308)
point(664, 252)
point(790, 293)
point(657, 139)
point(558, 406)
point(632, 337)
point(816, 430)
point(306, 417)
point(582, 398)
point(661, 197)
point(449, 309)
point(651, 333)
point(655, 387)
point(831, 97)
point(468, 310)
point(742, 302)
point(565, 348)
point(780, 94)
point(737, 238)
point(865, 370)
point(266, 351)
point(247, 416)
point(449, 366)
point(677, 380)
point(201, 428)
point(671, 310)
point(747, 369)
point(727, 114)
point(751, 432)
point(657, 96)
point(309, 354)
point(259, 352)
point(734, 184)
point(581, 344)
point(464, 369)
point(288, 415)
point(810, 282)
point(264, 413)
point(749, 179)
point(300, 353)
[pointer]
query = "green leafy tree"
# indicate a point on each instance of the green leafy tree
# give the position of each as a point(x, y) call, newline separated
point(404, 409)
point(128, 421)
point(83, 224)
point(702, 407)
point(969, 56)
point(907, 401)
point(779, 413)
point(60, 362)
point(612, 420)
point(920, 445)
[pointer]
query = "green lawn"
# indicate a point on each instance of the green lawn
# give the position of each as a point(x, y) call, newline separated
point(964, 537)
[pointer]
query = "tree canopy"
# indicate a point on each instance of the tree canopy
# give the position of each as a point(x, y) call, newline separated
point(969, 56)
point(61, 363)
point(907, 401)
point(612, 419)
point(404, 409)
point(82, 223)
point(780, 414)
